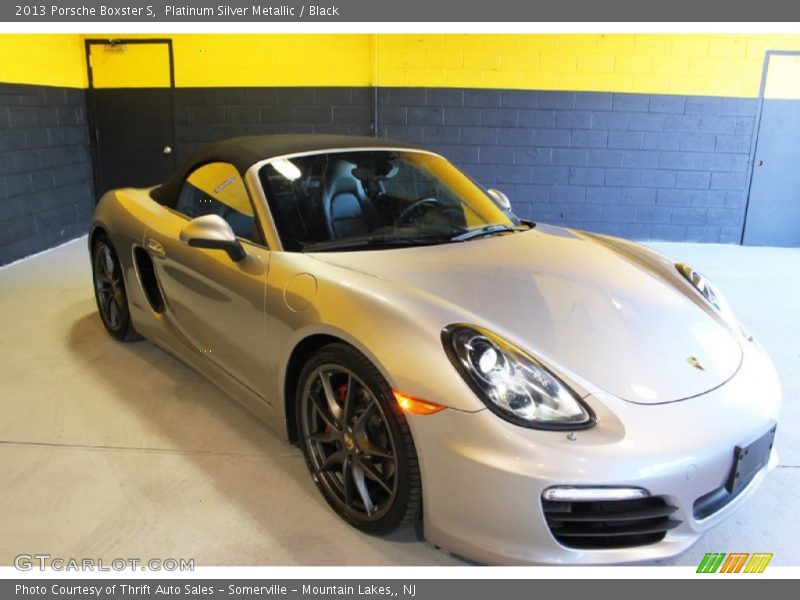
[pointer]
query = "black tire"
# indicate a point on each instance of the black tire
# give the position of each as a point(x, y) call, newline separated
point(109, 291)
point(374, 438)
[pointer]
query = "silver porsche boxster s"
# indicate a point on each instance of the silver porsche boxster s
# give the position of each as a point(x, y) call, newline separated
point(533, 394)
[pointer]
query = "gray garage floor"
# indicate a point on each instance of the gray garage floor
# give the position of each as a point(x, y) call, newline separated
point(111, 450)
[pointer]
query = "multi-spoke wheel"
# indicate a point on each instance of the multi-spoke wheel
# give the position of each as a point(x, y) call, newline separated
point(109, 290)
point(356, 441)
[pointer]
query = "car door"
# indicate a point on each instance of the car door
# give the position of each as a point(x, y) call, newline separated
point(217, 304)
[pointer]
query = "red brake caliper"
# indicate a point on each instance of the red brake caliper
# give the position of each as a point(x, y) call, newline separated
point(341, 393)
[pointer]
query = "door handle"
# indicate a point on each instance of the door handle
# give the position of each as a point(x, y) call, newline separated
point(167, 150)
point(155, 248)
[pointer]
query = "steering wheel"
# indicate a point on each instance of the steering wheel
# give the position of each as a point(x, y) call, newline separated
point(415, 206)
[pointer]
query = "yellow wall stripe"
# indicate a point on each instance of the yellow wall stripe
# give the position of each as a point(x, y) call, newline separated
point(273, 60)
point(42, 59)
point(716, 65)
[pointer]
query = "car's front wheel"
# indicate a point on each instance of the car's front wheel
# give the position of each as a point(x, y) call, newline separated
point(109, 291)
point(356, 441)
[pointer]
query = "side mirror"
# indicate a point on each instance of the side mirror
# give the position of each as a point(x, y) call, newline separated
point(212, 231)
point(499, 197)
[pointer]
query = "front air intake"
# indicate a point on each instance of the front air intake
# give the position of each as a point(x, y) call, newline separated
point(602, 524)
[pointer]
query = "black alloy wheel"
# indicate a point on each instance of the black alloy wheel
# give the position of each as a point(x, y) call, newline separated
point(356, 441)
point(109, 291)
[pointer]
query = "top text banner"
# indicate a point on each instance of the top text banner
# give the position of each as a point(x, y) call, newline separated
point(255, 11)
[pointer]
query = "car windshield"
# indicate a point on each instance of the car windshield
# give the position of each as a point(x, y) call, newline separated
point(376, 199)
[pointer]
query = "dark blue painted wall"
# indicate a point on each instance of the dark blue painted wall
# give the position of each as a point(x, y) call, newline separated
point(639, 166)
point(45, 171)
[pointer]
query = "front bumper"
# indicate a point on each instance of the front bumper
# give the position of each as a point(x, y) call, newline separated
point(483, 478)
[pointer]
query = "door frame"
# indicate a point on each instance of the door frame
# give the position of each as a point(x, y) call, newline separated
point(91, 106)
point(757, 129)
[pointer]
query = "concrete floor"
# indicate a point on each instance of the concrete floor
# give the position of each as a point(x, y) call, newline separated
point(118, 450)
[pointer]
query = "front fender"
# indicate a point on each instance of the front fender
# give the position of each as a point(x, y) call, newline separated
point(396, 329)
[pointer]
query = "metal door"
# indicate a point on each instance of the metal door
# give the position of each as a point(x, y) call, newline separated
point(773, 210)
point(131, 112)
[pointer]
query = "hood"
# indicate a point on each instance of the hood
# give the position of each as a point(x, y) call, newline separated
point(573, 302)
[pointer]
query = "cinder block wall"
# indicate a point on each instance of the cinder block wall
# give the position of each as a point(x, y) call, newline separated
point(45, 170)
point(643, 136)
point(642, 166)
point(208, 114)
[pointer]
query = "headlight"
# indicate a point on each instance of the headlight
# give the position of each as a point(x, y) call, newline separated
point(713, 296)
point(701, 284)
point(512, 384)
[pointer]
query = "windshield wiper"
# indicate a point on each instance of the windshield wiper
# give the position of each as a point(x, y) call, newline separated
point(484, 231)
point(387, 241)
point(381, 241)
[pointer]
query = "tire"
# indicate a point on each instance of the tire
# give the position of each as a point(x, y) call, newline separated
point(356, 441)
point(109, 291)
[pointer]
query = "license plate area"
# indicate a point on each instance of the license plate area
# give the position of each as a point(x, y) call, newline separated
point(749, 460)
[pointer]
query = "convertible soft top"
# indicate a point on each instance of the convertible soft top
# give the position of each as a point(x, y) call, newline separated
point(244, 152)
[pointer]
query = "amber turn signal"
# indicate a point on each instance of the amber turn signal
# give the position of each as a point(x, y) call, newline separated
point(415, 405)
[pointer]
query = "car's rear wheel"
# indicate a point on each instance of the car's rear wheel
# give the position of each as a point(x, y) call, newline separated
point(109, 291)
point(356, 441)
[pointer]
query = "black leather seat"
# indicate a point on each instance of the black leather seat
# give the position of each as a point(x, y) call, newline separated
point(347, 211)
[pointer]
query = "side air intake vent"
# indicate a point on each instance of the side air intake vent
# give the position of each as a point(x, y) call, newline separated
point(147, 276)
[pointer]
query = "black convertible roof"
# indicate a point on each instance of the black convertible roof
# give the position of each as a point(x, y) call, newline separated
point(244, 152)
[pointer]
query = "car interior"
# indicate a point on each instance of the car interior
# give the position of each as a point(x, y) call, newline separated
point(348, 197)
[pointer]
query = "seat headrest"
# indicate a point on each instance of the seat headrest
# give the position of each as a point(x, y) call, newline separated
point(339, 178)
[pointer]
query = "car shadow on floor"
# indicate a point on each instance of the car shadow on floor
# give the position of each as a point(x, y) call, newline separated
point(178, 411)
